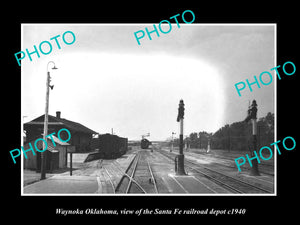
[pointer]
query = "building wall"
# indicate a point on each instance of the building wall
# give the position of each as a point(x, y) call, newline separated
point(62, 156)
point(31, 161)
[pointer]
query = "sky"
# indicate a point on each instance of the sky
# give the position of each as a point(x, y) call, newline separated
point(106, 80)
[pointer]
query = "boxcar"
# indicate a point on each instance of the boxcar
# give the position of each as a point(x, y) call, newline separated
point(108, 146)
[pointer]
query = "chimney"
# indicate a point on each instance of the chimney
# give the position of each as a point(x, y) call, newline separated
point(58, 114)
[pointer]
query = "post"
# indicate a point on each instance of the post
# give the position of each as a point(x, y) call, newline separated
point(181, 137)
point(172, 143)
point(71, 163)
point(229, 141)
point(252, 111)
point(43, 154)
point(187, 142)
point(180, 117)
point(254, 169)
point(208, 146)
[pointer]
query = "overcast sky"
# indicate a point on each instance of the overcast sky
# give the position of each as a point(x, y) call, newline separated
point(106, 80)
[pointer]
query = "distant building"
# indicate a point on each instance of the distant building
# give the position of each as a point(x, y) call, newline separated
point(81, 136)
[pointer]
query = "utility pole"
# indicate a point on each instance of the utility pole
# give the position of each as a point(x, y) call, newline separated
point(43, 154)
point(180, 157)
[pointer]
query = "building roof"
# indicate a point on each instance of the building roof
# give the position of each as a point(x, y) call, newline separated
point(49, 140)
point(50, 146)
point(52, 120)
point(56, 140)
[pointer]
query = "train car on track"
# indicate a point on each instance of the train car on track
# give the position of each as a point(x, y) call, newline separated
point(145, 143)
point(108, 146)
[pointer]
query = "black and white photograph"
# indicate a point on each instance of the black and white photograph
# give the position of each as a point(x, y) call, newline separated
point(158, 114)
point(170, 115)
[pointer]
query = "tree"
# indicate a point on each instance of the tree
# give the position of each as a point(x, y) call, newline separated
point(236, 136)
point(193, 140)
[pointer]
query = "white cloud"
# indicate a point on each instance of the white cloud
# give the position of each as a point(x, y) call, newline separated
point(105, 80)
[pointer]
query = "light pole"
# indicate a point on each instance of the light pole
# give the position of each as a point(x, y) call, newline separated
point(43, 154)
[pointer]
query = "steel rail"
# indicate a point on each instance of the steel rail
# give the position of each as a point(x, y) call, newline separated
point(152, 177)
point(208, 176)
point(129, 177)
point(132, 175)
point(217, 180)
point(230, 160)
point(228, 178)
point(110, 180)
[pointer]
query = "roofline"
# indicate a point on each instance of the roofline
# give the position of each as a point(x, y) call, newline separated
point(42, 123)
point(49, 140)
point(87, 130)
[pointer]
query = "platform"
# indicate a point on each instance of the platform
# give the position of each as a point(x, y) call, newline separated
point(212, 176)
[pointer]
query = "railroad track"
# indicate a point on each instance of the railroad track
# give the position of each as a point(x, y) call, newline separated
point(110, 180)
point(229, 183)
point(138, 177)
point(267, 169)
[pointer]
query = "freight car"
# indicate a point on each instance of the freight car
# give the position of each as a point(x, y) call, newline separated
point(108, 146)
point(145, 143)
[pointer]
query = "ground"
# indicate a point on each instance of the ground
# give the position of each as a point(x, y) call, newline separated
point(152, 171)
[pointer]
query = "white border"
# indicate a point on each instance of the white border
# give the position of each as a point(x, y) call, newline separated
point(146, 195)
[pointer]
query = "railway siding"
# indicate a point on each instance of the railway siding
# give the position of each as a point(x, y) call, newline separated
point(223, 175)
point(152, 172)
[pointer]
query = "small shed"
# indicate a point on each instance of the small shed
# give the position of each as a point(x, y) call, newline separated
point(52, 160)
point(56, 156)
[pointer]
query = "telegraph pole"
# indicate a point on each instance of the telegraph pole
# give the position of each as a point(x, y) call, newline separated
point(43, 154)
point(180, 157)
